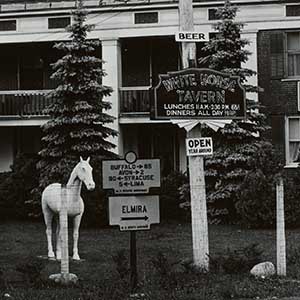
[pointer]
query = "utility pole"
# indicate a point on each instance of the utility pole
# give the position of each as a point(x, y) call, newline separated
point(196, 163)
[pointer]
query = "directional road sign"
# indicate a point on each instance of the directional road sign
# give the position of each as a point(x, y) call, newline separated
point(131, 175)
point(133, 212)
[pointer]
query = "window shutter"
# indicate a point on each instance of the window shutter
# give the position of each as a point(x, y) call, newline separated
point(277, 54)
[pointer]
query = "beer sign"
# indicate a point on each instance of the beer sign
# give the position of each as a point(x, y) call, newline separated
point(191, 36)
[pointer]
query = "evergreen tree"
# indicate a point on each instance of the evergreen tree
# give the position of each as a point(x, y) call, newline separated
point(77, 125)
point(236, 144)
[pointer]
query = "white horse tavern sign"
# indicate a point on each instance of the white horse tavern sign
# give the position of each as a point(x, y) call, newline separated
point(198, 94)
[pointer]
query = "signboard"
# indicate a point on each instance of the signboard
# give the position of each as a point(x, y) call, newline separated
point(134, 212)
point(199, 146)
point(187, 36)
point(131, 176)
point(198, 94)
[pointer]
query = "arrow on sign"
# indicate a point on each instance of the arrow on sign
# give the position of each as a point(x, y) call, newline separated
point(134, 218)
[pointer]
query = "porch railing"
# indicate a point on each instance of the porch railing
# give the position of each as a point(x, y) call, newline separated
point(134, 99)
point(32, 103)
point(23, 103)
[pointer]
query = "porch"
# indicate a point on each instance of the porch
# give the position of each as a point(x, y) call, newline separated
point(32, 103)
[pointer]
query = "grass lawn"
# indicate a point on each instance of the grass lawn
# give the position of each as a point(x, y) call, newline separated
point(22, 243)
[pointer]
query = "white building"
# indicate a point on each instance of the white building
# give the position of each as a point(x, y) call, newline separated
point(137, 44)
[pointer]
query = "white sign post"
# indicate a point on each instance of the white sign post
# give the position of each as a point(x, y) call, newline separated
point(280, 231)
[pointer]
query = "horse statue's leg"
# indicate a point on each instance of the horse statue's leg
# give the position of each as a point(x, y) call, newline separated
point(58, 239)
point(76, 224)
point(48, 217)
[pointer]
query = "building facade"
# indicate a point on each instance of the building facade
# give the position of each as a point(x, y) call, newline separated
point(137, 44)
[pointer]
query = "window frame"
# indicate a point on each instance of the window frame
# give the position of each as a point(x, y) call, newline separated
point(289, 6)
point(292, 52)
point(288, 163)
point(49, 19)
point(10, 20)
point(157, 13)
point(213, 13)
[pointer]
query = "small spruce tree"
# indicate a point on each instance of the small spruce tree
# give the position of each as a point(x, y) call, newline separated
point(77, 125)
point(236, 144)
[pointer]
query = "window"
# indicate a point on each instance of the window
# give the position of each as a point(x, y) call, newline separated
point(293, 140)
point(146, 18)
point(293, 54)
point(136, 62)
point(143, 59)
point(54, 23)
point(212, 14)
point(8, 25)
point(31, 70)
point(292, 10)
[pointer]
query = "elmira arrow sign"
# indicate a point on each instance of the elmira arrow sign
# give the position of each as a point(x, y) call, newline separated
point(134, 212)
point(198, 94)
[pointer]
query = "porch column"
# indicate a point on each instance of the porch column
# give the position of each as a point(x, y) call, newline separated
point(251, 63)
point(111, 55)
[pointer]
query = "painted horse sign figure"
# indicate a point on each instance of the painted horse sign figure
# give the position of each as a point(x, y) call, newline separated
point(51, 205)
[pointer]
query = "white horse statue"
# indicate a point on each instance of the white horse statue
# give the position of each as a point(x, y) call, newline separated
point(51, 205)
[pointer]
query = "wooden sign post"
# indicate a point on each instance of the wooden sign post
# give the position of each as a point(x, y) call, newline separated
point(280, 231)
point(64, 277)
point(64, 240)
point(196, 164)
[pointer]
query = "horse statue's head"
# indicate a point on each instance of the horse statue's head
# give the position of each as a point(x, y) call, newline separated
point(84, 172)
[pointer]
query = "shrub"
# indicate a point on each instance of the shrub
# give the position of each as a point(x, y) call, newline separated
point(256, 197)
point(236, 261)
point(16, 187)
point(166, 270)
point(170, 196)
point(257, 200)
point(291, 198)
